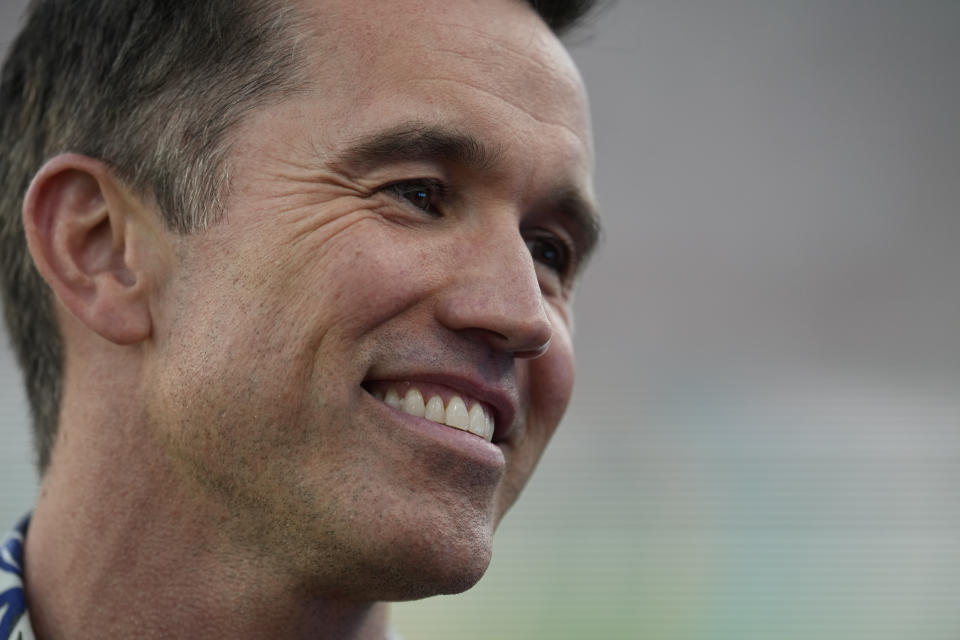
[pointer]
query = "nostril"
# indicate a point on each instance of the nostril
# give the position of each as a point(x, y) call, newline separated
point(535, 352)
point(516, 345)
point(529, 355)
point(498, 305)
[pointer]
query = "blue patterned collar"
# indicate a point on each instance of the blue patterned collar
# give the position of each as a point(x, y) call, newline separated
point(14, 620)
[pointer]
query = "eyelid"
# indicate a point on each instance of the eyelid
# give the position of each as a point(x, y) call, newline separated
point(438, 185)
point(560, 237)
point(437, 188)
point(567, 272)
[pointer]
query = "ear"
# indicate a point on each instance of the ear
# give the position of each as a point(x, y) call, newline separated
point(82, 229)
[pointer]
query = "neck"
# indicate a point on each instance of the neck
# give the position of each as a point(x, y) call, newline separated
point(122, 550)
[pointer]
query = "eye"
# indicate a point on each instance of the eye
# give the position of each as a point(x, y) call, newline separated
point(424, 194)
point(552, 252)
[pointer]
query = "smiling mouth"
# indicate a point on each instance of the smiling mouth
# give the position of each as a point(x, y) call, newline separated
point(457, 411)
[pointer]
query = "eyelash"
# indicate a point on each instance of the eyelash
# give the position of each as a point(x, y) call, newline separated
point(437, 193)
point(563, 256)
point(435, 190)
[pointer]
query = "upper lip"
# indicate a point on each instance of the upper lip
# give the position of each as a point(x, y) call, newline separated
point(502, 398)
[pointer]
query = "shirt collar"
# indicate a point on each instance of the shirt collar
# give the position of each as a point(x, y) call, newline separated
point(14, 619)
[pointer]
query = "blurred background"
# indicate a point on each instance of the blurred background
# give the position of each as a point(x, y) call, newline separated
point(765, 438)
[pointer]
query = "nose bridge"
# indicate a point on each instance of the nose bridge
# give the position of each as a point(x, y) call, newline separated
point(495, 294)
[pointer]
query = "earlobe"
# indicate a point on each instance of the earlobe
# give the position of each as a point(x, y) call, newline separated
point(81, 229)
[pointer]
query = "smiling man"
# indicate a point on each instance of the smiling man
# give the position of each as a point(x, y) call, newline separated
point(291, 287)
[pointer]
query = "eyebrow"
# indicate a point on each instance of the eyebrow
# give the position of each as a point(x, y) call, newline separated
point(414, 141)
point(424, 142)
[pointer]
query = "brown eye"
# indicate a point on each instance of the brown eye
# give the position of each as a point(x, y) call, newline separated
point(550, 252)
point(420, 198)
point(424, 195)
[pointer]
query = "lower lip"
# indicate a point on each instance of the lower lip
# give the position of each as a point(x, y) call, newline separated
point(467, 445)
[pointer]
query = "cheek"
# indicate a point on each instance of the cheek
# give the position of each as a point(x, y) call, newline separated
point(551, 376)
point(549, 383)
point(358, 279)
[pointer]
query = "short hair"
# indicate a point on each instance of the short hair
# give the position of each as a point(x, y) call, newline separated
point(152, 88)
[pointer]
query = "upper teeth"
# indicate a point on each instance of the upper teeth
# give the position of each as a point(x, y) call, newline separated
point(476, 421)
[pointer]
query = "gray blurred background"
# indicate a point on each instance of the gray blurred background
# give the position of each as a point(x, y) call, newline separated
point(765, 437)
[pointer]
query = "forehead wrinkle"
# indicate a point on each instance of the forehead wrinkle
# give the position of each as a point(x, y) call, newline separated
point(534, 46)
point(525, 55)
point(579, 135)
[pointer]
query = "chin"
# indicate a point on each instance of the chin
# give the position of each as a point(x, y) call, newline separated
point(442, 569)
point(417, 584)
point(424, 566)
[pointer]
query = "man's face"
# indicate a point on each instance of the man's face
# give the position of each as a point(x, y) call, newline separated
point(411, 225)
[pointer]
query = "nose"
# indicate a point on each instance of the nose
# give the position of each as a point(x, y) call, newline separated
point(493, 296)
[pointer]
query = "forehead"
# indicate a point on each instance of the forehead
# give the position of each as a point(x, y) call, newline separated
point(470, 64)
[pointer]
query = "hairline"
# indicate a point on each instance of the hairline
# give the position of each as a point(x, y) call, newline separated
point(190, 188)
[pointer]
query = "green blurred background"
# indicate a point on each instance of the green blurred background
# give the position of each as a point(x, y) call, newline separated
point(765, 437)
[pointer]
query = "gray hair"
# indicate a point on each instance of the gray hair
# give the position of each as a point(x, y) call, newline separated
point(152, 88)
